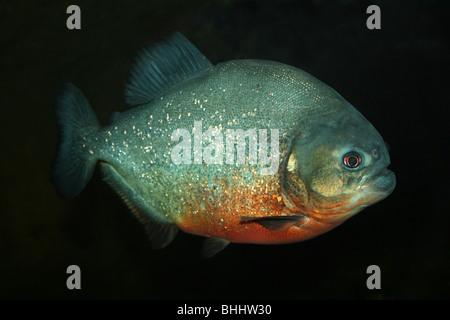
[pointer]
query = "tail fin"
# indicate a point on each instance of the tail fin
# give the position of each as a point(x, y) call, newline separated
point(73, 166)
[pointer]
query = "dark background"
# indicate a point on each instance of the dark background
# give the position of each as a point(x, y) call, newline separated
point(397, 77)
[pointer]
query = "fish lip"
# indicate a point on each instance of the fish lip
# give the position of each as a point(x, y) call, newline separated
point(382, 184)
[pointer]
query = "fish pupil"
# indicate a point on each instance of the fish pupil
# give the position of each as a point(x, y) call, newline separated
point(352, 160)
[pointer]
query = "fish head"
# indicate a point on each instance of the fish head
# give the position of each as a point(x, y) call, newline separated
point(336, 166)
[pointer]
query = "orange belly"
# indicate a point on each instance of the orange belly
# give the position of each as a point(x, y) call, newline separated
point(216, 211)
point(222, 218)
point(234, 230)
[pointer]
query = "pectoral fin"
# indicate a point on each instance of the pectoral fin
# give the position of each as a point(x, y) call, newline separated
point(211, 246)
point(276, 223)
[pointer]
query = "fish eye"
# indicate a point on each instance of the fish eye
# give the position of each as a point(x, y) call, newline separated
point(352, 159)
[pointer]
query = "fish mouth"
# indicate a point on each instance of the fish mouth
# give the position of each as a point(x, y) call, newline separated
point(380, 187)
point(385, 181)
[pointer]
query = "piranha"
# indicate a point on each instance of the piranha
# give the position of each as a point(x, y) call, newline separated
point(167, 159)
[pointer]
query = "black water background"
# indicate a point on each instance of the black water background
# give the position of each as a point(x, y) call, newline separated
point(397, 77)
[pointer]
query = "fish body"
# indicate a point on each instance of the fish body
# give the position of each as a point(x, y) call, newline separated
point(247, 151)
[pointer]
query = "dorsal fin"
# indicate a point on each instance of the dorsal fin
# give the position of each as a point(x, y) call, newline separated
point(161, 66)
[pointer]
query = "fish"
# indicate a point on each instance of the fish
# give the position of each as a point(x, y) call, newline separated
point(192, 152)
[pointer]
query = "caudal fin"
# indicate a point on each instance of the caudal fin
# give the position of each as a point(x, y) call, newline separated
point(73, 166)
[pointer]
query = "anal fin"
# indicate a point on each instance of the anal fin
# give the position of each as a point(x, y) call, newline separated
point(160, 232)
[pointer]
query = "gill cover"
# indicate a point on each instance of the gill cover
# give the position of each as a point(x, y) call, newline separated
point(291, 178)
